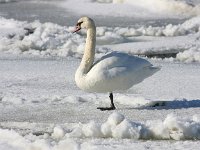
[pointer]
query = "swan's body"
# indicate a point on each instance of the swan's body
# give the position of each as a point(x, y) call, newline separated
point(113, 72)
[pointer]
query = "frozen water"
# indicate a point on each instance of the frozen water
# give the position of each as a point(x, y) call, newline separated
point(118, 127)
point(137, 9)
point(170, 128)
point(51, 39)
point(7, 1)
point(42, 108)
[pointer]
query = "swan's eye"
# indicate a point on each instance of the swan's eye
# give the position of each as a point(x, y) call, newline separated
point(79, 23)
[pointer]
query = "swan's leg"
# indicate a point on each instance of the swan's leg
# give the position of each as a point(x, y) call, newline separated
point(112, 105)
point(111, 99)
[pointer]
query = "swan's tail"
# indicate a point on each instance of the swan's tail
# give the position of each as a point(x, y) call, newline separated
point(145, 73)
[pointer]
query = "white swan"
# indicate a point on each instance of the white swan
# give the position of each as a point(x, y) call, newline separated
point(113, 72)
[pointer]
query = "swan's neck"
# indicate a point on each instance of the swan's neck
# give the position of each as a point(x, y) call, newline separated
point(89, 51)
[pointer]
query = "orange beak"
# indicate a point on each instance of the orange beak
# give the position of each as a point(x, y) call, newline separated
point(77, 28)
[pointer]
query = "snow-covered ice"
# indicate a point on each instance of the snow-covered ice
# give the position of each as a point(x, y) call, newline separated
point(119, 127)
point(7, 1)
point(42, 108)
point(51, 39)
point(116, 126)
point(137, 9)
point(45, 109)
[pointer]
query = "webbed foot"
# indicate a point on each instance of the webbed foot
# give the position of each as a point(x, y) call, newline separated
point(106, 108)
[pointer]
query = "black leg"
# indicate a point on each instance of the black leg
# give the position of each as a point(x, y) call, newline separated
point(112, 105)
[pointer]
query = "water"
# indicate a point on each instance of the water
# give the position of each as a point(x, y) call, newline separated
point(48, 12)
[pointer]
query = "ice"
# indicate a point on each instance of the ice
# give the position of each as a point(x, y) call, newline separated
point(12, 100)
point(191, 55)
point(6, 146)
point(135, 101)
point(67, 144)
point(137, 9)
point(11, 28)
point(115, 119)
point(170, 128)
point(7, 1)
point(91, 129)
point(74, 99)
point(167, 7)
point(12, 139)
point(50, 39)
point(127, 130)
point(58, 132)
point(42, 108)
point(46, 39)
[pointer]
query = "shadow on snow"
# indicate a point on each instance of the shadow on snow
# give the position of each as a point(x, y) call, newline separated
point(175, 104)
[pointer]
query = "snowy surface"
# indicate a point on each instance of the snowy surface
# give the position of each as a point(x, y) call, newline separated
point(42, 105)
point(54, 40)
point(7, 1)
point(42, 108)
point(138, 9)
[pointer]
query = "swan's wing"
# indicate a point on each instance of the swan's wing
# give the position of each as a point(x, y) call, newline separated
point(118, 71)
point(117, 64)
point(118, 59)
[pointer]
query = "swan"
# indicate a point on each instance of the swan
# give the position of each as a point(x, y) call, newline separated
point(115, 71)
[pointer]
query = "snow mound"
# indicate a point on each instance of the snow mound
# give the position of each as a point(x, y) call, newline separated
point(117, 126)
point(38, 39)
point(12, 100)
point(66, 136)
point(191, 55)
point(50, 39)
point(11, 140)
point(10, 28)
point(188, 27)
point(58, 132)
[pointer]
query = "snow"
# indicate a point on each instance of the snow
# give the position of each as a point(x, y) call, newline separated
point(12, 100)
point(119, 127)
point(116, 126)
point(42, 108)
point(50, 39)
point(137, 9)
point(191, 55)
point(58, 132)
point(7, 1)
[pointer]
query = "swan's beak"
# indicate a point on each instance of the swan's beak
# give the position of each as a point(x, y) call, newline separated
point(77, 28)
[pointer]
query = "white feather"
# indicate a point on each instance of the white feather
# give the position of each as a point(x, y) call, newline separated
point(113, 72)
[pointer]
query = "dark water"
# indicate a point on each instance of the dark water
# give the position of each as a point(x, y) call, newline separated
point(48, 12)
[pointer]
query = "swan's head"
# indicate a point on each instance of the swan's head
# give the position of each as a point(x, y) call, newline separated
point(84, 23)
